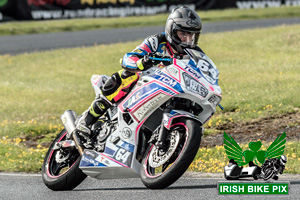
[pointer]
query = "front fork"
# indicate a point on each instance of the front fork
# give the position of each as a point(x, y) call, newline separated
point(166, 123)
point(68, 120)
point(162, 135)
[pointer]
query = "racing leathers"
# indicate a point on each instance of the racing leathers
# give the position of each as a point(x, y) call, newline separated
point(121, 82)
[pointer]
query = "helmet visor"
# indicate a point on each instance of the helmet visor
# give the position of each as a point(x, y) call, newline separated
point(188, 39)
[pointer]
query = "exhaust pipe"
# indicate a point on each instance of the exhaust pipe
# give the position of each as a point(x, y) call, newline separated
point(68, 120)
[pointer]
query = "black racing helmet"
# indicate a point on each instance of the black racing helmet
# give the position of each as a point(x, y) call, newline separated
point(186, 20)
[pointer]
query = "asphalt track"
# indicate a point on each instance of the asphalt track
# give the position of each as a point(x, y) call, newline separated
point(43, 42)
point(189, 187)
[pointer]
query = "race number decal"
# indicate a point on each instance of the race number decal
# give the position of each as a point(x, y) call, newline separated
point(123, 156)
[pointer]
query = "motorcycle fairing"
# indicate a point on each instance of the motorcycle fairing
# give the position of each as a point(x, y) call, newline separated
point(117, 151)
point(104, 166)
point(99, 160)
point(164, 78)
point(87, 161)
point(203, 65)
point(191, 71)
point(148, 107)
point(142, 94)
point(173, 72)
point(92, 164)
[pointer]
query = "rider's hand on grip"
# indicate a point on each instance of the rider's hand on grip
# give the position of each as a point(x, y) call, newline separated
point(147, 62)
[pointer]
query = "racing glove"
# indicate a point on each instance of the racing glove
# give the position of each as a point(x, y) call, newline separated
point(144, 63)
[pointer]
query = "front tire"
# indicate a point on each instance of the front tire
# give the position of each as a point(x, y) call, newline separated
point(159, 178)
point(60, 170)
point(268, 174)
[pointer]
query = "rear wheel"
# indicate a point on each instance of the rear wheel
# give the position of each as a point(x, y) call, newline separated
point(162, 167)
point(60, 169)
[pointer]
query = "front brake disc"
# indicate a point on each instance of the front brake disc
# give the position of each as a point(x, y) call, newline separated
point(158, 157)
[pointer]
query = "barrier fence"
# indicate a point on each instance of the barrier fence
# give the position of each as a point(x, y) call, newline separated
point(67, 9)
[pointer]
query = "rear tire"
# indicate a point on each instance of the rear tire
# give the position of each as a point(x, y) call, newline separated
point(65, 174)
point(179, 162)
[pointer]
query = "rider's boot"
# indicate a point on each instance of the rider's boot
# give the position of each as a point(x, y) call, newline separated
point(90, 116)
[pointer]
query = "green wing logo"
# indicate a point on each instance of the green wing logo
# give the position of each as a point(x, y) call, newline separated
point(3, 2)
point(276, 149)
point(235, 152)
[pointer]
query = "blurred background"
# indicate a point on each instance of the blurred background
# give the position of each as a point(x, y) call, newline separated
point(65, 9)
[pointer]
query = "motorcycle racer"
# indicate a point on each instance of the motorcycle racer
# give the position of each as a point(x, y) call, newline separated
point(275, 165)
point(182, 30)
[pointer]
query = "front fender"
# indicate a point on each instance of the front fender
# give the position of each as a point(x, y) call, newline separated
point(169, 118)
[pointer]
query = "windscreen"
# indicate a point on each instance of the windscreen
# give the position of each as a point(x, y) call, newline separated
point(205, 65)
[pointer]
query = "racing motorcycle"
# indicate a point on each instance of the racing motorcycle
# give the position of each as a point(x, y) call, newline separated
point(272, 167)
point(153, 133)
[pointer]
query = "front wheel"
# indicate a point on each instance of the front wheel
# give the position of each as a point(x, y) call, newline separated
point(161, 168)
point(268, 174)
point(60, 170)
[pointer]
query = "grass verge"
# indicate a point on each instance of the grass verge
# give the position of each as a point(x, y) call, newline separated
point(16, 156)
point(48, 26)
point(259, 77)
point(213, 160)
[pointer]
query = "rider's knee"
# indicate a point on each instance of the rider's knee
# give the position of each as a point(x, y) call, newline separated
point(118, 85)
point(112, 84)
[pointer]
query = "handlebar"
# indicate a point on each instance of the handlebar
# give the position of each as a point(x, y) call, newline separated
point(161, 59)
point(156, 59)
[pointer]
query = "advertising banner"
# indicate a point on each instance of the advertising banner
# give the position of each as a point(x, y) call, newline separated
point(246, 4)
point(67, 9)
